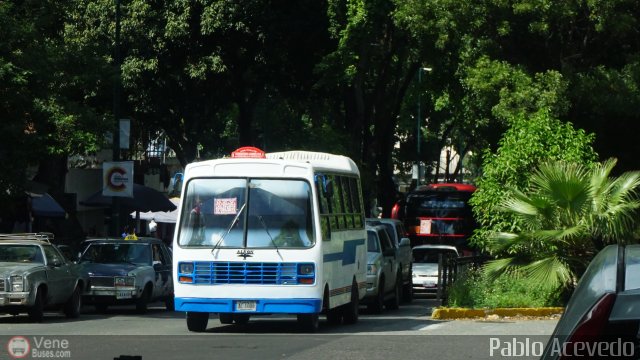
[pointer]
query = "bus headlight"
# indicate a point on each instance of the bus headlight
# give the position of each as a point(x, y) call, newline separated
point(17, 283)
point(305, 269)
point(306, 274)
point(185, 268)
point(185, 272)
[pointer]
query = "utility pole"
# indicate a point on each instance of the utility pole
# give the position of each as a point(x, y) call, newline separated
point(115, 201)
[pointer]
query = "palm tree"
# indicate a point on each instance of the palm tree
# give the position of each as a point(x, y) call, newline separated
point(569, 213)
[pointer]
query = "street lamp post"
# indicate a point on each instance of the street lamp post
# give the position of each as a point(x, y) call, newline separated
point(419, 122)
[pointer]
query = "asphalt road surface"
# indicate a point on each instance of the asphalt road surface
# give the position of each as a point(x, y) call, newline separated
point(407, 333)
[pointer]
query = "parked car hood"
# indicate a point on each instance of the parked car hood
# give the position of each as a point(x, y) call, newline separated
point(17, 268)
point(430, 269)
point(99, 269)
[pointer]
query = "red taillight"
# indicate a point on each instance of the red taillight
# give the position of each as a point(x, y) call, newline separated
point(395, 210)
point(594, 323)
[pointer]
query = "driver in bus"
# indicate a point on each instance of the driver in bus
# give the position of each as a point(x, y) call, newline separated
point(289, 235)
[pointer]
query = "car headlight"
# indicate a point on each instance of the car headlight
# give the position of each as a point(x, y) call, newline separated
point(124, 281)
point(17, 283)
point(372, 269)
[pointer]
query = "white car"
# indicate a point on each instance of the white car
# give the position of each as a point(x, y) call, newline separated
point(425, 266)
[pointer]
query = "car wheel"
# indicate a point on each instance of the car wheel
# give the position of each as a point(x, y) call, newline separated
point(36, 312)
point(351, 310)
point(169, 303)
point(407, 289)
point(394, 303)
point(197, 321)
point(309, 322)
point(407, 293)
point(143, 301)
point(72, 307)
point(378, 302)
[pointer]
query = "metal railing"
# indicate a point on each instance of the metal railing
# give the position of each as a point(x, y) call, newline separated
point(450, 267)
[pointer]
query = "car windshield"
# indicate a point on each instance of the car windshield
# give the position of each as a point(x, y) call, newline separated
point(430, 255)
point(138, 254)
point(253, 213)
point(372, 242)
point(21, 253)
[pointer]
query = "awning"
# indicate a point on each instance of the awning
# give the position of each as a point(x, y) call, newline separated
point(144, 199)
point(46, 206)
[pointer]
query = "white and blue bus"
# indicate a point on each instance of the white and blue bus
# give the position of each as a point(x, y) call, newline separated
point(275, 233)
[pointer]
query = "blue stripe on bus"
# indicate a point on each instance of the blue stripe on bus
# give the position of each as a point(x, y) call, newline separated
point(264, 306)
point(348, 254)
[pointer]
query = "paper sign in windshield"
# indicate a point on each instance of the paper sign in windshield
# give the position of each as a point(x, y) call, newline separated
point(425, 226)
point(226, 206)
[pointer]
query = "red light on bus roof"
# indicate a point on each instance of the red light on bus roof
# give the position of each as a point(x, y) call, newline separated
point(248, 152)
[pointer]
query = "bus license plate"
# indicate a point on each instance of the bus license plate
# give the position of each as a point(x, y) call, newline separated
point(246, 305)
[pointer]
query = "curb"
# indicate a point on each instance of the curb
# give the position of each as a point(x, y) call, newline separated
point(462, 313)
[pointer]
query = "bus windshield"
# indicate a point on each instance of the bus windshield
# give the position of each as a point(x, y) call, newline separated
point(247, 212)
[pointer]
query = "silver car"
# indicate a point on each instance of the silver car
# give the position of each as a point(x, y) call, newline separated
point(34, 275)
point(384, 275)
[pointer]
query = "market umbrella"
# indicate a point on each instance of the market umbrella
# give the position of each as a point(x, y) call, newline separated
point(144, 199)
point(45, 205)
point(168, 217)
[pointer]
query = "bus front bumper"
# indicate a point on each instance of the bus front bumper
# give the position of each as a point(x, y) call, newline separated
point(249, 306)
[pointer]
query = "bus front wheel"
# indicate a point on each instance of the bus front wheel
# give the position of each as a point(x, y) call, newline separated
point(197, 321)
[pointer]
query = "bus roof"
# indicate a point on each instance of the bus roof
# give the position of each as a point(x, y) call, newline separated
point(318, 161)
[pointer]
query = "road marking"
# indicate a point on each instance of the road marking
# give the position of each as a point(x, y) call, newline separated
point(427, 327)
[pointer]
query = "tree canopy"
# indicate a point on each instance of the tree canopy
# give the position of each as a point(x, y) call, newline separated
point(340, 76)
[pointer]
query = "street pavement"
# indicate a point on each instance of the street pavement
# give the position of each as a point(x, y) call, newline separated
point(407, 333)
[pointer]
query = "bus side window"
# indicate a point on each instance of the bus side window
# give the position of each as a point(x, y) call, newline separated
point(348, 205)
point(336, 202)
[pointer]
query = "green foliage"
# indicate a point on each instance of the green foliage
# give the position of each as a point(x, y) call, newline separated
point(473, 289)
point(529, 142)
point(568, 213)
point(45, 103)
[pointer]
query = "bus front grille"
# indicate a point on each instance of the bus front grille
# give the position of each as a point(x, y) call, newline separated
point(260, 273)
